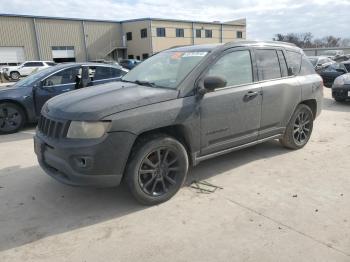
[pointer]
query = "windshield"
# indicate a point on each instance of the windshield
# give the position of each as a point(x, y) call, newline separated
point(165, 69)
point(31, 79)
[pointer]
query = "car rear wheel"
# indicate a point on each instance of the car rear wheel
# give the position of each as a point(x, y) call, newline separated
point(12, 118)
point(15, 76)
point(157, 169)
point(299, 128)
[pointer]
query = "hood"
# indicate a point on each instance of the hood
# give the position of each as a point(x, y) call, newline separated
point(97, 102)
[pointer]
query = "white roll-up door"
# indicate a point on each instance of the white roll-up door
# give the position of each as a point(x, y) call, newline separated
point(12, 55)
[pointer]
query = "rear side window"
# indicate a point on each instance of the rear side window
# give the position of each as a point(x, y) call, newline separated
point(347, 67)
point(294, 61)
point(33, 64)
point(283, 63)
point(268, 64)
point(235, 68)
point(306, 67)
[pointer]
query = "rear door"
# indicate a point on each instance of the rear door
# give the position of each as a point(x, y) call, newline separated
point(55, 84)
point(230, 116)
point(281, 93)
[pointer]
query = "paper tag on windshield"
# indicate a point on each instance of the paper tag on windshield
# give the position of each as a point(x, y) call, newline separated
point(190, 54)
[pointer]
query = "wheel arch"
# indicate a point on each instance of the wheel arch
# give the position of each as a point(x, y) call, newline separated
point(312, 103)
point(20, 105)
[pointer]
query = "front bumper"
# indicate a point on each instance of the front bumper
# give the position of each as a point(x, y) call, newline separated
point(342, 92)
point(78, 162)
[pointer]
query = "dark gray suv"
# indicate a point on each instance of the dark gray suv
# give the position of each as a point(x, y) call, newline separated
point(178, 108)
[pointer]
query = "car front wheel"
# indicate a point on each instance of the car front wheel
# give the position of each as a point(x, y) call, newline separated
point(12, 118)
point(157, 169)
point(299, 128)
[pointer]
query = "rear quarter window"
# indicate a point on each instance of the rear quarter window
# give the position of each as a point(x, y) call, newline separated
point(306, 67)
point(294, 61)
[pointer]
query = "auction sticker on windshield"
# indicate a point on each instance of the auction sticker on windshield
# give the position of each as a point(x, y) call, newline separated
point(190, 54)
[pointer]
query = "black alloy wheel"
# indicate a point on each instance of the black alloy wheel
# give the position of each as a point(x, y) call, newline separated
point(11, 118)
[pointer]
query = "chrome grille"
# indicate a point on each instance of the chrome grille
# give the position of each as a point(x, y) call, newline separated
point(52, 128)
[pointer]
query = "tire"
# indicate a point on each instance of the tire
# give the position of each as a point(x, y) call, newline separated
point(299, 128)
point(157, 169)
point(15, 76)
point(12, 118)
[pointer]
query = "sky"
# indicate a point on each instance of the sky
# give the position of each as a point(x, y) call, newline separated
point(265, 18)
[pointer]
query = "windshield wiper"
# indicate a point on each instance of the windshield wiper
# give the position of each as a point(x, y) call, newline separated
point(145, 83)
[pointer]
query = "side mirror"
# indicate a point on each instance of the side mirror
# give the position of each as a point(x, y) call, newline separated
point(210, 83)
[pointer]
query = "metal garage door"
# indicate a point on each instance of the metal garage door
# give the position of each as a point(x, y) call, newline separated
point(12, 55)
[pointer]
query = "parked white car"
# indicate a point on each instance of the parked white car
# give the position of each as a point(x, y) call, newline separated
point(25, 69)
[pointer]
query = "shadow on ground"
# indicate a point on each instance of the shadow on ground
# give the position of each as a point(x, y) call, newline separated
point(332, 105)
point(34, 206)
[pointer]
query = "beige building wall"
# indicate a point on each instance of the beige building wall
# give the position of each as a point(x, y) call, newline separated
point(19, 32)
point(170, 40)
point(102, 38)
point(138, 46)
point(52, 32)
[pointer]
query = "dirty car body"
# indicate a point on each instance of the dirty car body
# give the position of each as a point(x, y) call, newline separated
point(202, 110)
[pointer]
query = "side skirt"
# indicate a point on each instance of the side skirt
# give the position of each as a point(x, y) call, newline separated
point(197, 159)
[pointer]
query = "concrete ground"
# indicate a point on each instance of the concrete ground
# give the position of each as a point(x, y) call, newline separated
point(275, 205)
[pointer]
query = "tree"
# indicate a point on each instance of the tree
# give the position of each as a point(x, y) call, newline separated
point(306, 40)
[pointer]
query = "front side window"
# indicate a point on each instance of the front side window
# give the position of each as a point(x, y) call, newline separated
point(161, 32)
point(66, 76)
point(235, 68)
point(166, 69)
point(180, 32)
point(268, 64)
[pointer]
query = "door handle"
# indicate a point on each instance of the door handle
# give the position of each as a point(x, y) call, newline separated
point(251, 95)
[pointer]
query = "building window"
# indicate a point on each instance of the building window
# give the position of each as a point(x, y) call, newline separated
point(208, 33)
point(129, 36)
point(144, 33)
point(239, 34)
point(130, 56)
point(144, 56)
point(180, 32)
point(198, 33)
point(138, 57)
point(161, 32)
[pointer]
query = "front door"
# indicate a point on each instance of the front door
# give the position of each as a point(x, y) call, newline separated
point(230, 116)
point(58, 83)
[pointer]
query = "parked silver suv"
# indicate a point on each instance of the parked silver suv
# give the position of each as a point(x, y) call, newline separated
point(175, 109)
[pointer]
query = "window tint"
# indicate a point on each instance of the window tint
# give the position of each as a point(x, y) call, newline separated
point(101, 72)
point(208, 33)
point(294, 61)
point(306, 67)
point(347, 67)
point(180, 32)
point(144, 33)
point(66, 76)
point(128, 36)
point(268, 64)
point(33, 64)
point(235, 68)
point(283, 63)
point(198, 33)
point(161, 32)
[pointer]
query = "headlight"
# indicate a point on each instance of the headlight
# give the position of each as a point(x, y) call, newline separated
point(87, 130)
point(339, 81)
